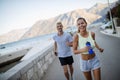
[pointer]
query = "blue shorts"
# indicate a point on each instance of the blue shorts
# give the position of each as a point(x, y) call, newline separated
point(88, 65)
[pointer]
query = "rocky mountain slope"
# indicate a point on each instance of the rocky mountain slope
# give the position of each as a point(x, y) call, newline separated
point(42, 27)
point(13, 35)
point(68, 19)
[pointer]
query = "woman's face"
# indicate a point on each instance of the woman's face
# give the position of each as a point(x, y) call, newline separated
point(81, 25)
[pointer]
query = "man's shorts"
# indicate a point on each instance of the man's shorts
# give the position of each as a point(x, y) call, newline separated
point(88, 65)
point(66, 60)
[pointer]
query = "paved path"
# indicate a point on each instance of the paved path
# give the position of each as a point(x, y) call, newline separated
point(55, 71)
point(109, 32)
point(110, 65)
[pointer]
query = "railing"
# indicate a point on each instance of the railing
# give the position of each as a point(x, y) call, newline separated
point(32, 69)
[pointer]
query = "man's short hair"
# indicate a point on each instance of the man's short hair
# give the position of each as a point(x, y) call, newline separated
point(59, 23)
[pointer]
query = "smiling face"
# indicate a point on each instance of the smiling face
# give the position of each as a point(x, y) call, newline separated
point(59, 27)
point(82, 24)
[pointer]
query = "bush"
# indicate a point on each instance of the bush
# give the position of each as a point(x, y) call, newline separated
point(115, 11)
point(109, 27)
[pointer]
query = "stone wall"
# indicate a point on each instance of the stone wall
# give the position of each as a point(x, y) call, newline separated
point(32, 69)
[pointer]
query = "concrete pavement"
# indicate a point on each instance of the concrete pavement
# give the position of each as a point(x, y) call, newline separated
point(109, 32)
point(109, 61)
point(55, 71)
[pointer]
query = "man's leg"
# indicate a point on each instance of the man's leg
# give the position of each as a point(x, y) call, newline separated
point(70, 64)
point(71, 69)
point(66, 73)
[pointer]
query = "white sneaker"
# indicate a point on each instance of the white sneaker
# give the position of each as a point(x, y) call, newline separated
point(72, 77)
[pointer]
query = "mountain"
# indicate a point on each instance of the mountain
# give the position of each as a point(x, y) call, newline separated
point(11, 36)
point(94, 14)
point(100, 9)
point(68, 19)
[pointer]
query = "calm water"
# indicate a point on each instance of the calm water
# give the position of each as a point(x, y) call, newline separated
point(24, 44)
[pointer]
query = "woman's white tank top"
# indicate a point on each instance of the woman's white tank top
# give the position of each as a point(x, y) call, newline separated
point(82, 41)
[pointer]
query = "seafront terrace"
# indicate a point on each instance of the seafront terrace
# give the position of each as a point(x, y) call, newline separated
point(44, 65)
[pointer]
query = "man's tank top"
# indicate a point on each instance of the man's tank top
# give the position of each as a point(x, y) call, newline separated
point(82, 41)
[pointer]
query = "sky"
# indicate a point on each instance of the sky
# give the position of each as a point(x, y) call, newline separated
point(18, 14)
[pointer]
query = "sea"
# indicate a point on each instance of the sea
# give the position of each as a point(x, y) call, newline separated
point(24, 44)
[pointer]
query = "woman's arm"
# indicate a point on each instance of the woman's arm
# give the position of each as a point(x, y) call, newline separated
point(75, 45)
point(96, 45)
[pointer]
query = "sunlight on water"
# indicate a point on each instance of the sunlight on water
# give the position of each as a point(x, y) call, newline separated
point(24, 44)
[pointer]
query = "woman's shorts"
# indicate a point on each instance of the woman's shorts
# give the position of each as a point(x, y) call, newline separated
point(66, 60)
point(88, 65)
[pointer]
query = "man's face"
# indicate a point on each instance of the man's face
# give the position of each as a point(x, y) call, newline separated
point(59, 27)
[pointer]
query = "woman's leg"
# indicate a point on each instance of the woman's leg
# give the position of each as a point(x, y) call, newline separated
point(97, 74)
point(88, 75)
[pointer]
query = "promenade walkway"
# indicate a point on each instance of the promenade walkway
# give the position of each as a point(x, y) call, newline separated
point(109, 32)
point(55, 71)
point(109, 61)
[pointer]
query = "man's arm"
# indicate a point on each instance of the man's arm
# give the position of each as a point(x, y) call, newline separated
point(69, 44)
point(70, 41)
point(55, 48)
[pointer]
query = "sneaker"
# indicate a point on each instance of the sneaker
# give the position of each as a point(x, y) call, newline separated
point(72, 77)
